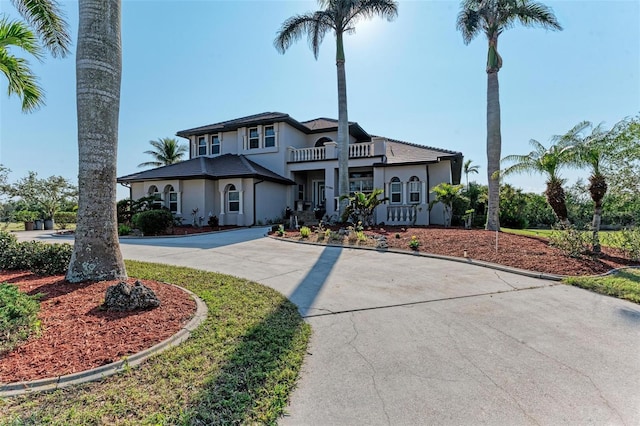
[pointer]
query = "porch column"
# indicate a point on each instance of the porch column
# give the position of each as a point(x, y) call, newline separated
point(405, 195)
point(241, 208)
point(221, 220)
point(330, 189)
point(423, 195)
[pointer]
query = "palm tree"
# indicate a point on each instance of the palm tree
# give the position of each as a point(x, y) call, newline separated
point(166, 151)
point(492, 17)
point(22, 81)
point(339, 16)
point(446, 194)
point(593, 151)
point(46, 27)
point(548, 161)
point(96, 252)
point(468, 168)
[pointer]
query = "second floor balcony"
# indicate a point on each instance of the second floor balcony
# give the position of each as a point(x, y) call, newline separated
point(330, 151)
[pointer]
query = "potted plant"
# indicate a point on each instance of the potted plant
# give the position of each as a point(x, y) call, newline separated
point(28, 217)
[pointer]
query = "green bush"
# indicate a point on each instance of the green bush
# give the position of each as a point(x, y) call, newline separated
point(571, 241)
point(26, 216)
point(35, 256)
point(305, 231)
point(18, 316)
point(62, 219)
point(153, 222)
point(124, 230)
point(629, 241)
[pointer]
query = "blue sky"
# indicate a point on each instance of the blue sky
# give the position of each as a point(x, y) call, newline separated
point(192, 63)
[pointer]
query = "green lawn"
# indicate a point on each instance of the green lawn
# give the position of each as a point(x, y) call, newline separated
point(607, 238)
point(624, 284)
point(19, 226)
point(238, 367)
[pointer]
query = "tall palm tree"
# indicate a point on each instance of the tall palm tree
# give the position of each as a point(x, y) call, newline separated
point(96, 252)
point(593, 151)
point(492, 17)
point(548, 161)
point(166, 151)
point(340, 17)
point(22, 81)
point(468, 168)
point(47, 20)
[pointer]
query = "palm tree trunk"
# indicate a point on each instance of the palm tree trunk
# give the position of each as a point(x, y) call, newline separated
point(597, 189)
point(494, 145)
point(96, 253)
point(343, 127)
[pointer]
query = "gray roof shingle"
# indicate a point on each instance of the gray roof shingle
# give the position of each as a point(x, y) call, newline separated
point(224, 166)
point(399, 152)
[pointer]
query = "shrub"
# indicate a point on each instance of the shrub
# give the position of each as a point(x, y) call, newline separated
point(153, 222)
point(26, 216)
point(50, 259)
point(629, 241)
point(280, 231)
point(571, 241)
point(361, 236)
point(35, 256)
point(414, 244)
point(305, 231)
point(62, 219)
point(18, 316)
point(124, 230)
point(214, 222)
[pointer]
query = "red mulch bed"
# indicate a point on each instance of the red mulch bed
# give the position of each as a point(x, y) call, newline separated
point(188, 230)
point(78, 335)
point(534, 254)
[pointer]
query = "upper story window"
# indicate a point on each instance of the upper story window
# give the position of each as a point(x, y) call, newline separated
point(395, 187)
point(202, 145)
point(254, 138)
point(233, 199)
point(215, 145)
point(269, 136)
point(414, 190)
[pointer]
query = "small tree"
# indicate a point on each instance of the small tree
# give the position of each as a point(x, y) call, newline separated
point(48, 194)
point(446, 194)
point(362, 206)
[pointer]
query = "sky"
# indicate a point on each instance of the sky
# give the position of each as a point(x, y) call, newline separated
point(192, 63)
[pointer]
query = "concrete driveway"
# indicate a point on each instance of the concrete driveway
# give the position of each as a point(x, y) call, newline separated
point(406, 340)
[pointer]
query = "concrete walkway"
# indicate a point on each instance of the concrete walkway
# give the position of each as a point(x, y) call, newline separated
point(406, 340)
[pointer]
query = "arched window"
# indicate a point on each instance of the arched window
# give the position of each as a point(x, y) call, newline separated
point(172, 199)
point(157, 197)
point(414, 190)
point(320, 142)
point(395, 188)
point(233, 199)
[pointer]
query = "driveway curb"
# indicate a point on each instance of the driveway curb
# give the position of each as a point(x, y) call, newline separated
point(524, 272)
point(52, 383)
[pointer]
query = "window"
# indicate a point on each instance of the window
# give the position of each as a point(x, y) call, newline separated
point(254, 138)
point(172, 199)
point(300, 191)
point(269, 136)
point(414, 190)
point(202, 145)
point(233, 197)
point(396, 191)
point(157, 197)
point(215, 145)
point(361, 182)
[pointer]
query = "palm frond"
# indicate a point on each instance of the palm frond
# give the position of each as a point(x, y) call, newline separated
point(294, 28)
point(46, 17)
point(21, 80)
point(469, 21)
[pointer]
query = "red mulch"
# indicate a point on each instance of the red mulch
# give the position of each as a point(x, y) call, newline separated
point(77, 335)
point(188, 230)
point(534, 254)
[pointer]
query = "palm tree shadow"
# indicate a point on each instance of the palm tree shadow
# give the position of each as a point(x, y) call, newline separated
point(252, 373)
point(308, 289)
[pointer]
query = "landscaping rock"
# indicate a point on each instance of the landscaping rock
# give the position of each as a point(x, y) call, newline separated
point(125, 297)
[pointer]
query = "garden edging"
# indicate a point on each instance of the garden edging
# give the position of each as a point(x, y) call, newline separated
point(52, 383)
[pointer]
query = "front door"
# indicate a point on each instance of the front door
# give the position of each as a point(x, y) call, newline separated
point(319, 197)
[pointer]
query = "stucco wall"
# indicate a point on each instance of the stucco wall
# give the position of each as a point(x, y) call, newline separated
point(438, 173)
point(271, 200)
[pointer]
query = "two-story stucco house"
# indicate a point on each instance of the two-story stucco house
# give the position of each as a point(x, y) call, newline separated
point(248, 170)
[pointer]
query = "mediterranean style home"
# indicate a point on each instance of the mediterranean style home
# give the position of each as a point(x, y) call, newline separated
point(247, 171)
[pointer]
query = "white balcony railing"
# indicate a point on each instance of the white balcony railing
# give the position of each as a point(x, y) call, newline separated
point(308, 154)
point(356, 150)
point(401, 214)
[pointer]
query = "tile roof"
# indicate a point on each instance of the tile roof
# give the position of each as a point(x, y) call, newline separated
point(224, 166)
point(399, 152)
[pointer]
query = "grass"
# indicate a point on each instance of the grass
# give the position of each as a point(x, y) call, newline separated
point(623, 284)
point(238, 367)
point(607, 238)
point(19, 226)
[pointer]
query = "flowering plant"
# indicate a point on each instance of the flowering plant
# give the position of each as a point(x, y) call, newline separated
point(414, 243)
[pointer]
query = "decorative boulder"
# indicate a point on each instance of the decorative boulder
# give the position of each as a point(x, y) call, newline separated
point(125, 297)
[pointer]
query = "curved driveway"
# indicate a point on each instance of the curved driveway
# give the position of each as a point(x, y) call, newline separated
point(407, 340)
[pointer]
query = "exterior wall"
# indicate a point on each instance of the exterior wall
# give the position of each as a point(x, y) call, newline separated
point(382, 177)
point(271, 200)
point(193, 196)
point(438, 173)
